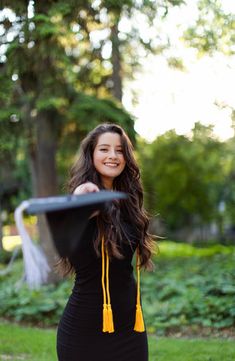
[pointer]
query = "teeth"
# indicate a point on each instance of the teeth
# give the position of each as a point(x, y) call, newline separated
point(111, 164)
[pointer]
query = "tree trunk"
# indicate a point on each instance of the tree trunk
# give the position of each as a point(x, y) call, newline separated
point(45, 155)
point(44, 165)
point(116, 62)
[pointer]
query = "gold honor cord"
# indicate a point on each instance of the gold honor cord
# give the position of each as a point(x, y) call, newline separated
point(108, 325)
point(139, 320)
point(107, 309)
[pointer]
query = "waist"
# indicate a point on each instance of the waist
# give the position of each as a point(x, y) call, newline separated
point(91, 292)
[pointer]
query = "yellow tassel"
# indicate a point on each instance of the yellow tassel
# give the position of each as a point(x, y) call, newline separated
point(139, 321)
point(110, 319)
point(108, 325)
point(105, 318)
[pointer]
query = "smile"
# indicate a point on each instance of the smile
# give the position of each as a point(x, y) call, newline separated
point(113, 165)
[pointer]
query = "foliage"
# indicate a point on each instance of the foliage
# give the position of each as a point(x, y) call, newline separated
point(229, 184)
point(5, 257)
point(42, 306)
point(184, 177)
point(55, 86)
point(196, 289)
point(171, 249)
point(14, 184)
point(214, 29)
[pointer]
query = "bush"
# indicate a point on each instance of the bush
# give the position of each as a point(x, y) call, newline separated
point(190, 287)
point(5, 257)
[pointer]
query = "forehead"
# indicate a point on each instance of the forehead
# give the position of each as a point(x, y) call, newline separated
point(109, 138)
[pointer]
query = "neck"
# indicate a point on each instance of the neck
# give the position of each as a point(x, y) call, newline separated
point(108, 184)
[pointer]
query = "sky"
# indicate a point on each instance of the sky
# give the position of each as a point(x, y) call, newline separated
point(169, 98)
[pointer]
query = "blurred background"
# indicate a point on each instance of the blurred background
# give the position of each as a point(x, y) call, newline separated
point(165, 71)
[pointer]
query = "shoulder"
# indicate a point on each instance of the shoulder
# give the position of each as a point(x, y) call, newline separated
point(130, 230)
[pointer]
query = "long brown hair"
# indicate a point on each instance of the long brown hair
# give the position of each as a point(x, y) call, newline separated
point(131, 210)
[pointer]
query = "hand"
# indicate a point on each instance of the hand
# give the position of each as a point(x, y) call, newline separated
point(87, 187)
point(84, 188)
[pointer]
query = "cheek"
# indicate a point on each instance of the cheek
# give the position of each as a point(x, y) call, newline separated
point(96, 158)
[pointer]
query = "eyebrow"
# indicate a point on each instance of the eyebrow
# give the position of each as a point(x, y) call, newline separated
point(108, 145)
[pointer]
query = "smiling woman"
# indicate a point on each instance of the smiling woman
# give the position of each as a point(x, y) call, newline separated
point(104, 309)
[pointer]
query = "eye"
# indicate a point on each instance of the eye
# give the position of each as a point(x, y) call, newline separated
point(103, 149)
point(119, 150)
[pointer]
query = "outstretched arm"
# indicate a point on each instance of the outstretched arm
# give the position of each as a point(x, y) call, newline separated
point(84, 188)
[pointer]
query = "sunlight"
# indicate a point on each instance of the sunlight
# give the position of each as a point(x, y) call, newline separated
point(171, 99)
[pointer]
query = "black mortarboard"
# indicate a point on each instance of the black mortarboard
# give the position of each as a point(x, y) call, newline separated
point(68, 216)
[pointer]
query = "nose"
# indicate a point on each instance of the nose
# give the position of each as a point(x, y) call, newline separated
point(112, 154)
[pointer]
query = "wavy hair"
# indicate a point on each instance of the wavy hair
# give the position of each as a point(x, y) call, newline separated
point(109, 220)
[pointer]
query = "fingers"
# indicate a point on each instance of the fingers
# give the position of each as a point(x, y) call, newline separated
point(88, 187)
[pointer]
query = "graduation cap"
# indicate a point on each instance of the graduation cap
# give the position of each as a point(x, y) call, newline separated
point(67, 218)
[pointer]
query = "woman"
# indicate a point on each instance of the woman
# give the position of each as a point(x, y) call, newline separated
point(102, 320)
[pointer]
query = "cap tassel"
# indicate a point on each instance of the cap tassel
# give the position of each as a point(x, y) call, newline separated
point(139, 320)
point(36, 266)
point(108, 325)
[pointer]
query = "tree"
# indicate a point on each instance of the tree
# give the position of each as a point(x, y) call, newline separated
point(213, 30)
point(128, 42)
point(51, 57)
point(183, 178)
point(45, 90)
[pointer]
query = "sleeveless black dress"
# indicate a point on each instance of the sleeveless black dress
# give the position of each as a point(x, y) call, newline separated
point(79, 335)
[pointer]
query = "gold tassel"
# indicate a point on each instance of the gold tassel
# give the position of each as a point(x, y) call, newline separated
point(105, 318)
point(108, 325)
point(110, 319)
point(139, 320)
point(109, 308)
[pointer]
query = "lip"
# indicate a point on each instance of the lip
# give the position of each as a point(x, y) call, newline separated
point(109, 164)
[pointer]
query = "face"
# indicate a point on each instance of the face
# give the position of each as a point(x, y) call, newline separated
point(108, 158)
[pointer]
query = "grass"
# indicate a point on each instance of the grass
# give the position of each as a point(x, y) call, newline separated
point(171, 349)
point(32, 344)
point(24, 343)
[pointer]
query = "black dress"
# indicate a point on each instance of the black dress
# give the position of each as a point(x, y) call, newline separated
point(80, 336)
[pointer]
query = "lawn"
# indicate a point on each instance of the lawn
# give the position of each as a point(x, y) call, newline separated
point(32, 344)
